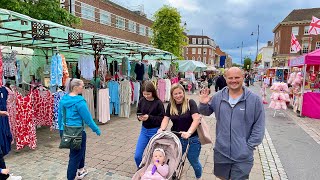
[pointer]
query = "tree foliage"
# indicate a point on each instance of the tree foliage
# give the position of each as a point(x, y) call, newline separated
point(42, 9)
point(167, 31)
point(247, 63)
point(236, 65)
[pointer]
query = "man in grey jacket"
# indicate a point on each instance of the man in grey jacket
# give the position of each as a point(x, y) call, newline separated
point(240, 126)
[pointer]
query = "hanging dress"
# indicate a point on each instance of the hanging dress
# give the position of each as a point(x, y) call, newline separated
point(26, 131)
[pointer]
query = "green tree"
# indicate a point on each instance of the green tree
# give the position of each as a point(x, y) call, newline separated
point(167, 31)
point(42, 9)
point(236, 65)
point(247, 63)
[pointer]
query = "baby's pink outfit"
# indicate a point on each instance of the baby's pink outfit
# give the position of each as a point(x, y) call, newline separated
point(162, 171)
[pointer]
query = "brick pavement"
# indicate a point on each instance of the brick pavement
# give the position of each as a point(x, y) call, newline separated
point(309, 125)
point(109, 156)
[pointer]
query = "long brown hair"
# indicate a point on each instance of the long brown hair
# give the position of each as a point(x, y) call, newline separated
point(185, 102)
point(148, 86)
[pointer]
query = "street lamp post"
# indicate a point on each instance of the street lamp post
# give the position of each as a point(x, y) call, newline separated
point(258, 32)
point(241, 52)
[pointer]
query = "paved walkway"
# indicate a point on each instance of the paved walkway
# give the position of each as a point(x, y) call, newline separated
point(109, 156)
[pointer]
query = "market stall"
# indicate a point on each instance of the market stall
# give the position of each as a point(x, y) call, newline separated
point(107, 65)
point(306, 69)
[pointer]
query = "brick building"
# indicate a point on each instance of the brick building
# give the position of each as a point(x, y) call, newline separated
point(108, 18)
point(200, 48)
point(297, 22)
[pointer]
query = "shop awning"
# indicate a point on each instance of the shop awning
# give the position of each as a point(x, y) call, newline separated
point(23, 31)
point(312, 58)
point(191, 65)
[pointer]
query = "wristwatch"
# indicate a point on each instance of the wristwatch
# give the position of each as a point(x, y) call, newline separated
point(190, 132)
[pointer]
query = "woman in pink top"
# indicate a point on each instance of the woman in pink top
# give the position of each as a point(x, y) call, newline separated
point(157, 170)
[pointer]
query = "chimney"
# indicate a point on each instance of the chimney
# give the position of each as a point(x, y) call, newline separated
point(270, 43)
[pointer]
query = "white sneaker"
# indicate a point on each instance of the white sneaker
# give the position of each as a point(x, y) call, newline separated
point(14, 177)
point(81, 174)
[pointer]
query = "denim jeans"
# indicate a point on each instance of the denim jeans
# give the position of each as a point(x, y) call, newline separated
point(143, 140)
point(193, 153)
point(76, 158)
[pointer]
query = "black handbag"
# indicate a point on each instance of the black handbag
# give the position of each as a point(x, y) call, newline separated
point(72, 135)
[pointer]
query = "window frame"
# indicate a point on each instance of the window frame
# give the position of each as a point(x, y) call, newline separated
point(306, 30)
point(295, 29)
point(119, 19)
point(85, 8)
point(108, 21)
point(132, 24)
point(194, 50)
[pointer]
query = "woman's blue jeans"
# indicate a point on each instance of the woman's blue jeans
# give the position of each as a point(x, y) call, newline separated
point(193, 153)
point(143, 140)
point(76, 158)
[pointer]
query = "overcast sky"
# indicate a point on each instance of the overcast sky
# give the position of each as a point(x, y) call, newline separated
point(229, 22)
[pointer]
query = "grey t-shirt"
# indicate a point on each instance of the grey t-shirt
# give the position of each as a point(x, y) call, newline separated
point(233, 102)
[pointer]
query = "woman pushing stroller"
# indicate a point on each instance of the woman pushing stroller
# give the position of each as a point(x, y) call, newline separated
point(184, 115)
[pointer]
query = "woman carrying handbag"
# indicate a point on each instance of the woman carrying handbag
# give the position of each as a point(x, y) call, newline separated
point(73, 110)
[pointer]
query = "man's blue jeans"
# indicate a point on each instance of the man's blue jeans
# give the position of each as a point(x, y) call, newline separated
point(76, 157)
point(193, 153)
point(143, 140)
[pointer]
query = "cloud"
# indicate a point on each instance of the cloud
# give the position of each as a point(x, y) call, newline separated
point(230, 22)
point(188, 5)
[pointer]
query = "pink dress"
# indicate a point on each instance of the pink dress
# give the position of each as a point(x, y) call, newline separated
point(160, 174)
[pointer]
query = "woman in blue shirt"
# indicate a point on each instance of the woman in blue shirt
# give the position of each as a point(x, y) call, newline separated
point(77, 112)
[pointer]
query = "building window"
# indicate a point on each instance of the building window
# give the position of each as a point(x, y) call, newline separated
point(295, 31)
point(318, 45)
point(209, 52)
point(193, 58)
point(199, 40)
point(199, 50)
point(306, 30)
point(87, 12)
point(105, 17)
point(305, 47)
point(132, 26)
point(205, 41)
point(194, 41)
point(199, 59)
point(120, 23)
point(186, 50)
point(205, 51)
point(150, 32)
point(142, 30)
point(205, 60)
point(194, 50)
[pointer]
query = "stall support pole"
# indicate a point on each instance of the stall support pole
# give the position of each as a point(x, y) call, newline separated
point(302, 87)
point(95, 87)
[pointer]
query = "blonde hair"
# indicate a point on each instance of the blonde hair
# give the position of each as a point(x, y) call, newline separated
point(185, 102)
point(71, 83)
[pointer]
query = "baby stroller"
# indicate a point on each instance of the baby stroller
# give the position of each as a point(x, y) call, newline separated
point(171, 144)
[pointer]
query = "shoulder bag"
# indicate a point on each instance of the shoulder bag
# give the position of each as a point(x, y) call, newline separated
point(203, 132)
point(72, 135)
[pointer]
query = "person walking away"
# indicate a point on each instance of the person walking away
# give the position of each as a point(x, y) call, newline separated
point(252, 77)
point(183, 113)
point(220, 83)
point(247, 79)
point(4, 171)
point(77, 112)
point(150, 112)
point(240, 126)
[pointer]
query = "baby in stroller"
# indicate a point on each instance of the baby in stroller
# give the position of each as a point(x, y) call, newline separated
point(167, 145)
point(157, 170)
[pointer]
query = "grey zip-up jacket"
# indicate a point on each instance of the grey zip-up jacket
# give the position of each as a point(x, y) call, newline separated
point(239, 129)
